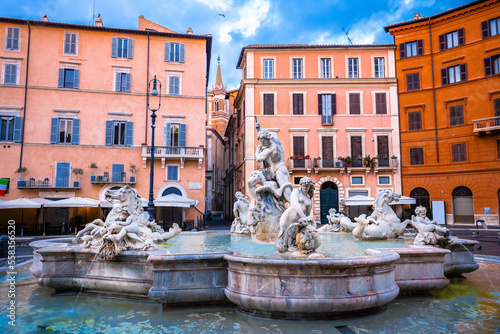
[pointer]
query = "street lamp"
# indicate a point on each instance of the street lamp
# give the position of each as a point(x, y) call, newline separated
point(154, 92)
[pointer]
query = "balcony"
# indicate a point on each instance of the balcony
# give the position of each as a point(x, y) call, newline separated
point(98, 178)
point(299, 164)
point(486, 125)
point(173, 152)
point(49, 183)
point(386, 164)
point(328, 165)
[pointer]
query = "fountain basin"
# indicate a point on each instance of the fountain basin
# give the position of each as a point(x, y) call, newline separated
point(312, 288)
point(461, 258)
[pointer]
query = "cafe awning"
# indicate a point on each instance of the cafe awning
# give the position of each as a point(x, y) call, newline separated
point(73, 202)
point(20, 203)
point(357, 200)
point(174, 200)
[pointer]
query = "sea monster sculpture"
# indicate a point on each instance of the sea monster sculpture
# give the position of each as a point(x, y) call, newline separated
point(126, 227)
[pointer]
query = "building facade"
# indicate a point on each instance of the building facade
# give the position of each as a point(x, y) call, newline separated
point(335, 111)
point(449, 94)
point(75, 117)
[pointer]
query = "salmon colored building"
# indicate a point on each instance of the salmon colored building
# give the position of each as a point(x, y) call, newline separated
point(74, 112)
point(325, 103)
point(448, 68)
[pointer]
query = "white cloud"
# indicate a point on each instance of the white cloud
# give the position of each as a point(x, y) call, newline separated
point(217, 4)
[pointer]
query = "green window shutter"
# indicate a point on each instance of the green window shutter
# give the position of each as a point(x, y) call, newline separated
point(167, 51)
point(61, 78)
point(118, 82)
point(109, 132)
point(182, 53)
point(129, 133)
point(168, 134)
point(130, 48)
point(18, 120)
point(75, 133)
point(182, 135)
point(54, 130)
point(114, 47)
point(127, 88)
point(76, 82)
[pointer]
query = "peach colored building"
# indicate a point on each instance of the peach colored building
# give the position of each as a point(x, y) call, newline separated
point(448, 69)
point(333, 107)
point(75, 96)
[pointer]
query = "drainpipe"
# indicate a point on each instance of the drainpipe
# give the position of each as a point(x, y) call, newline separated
point(399, 119)
point(25, 94)
point(147, 97)
point(434, 93)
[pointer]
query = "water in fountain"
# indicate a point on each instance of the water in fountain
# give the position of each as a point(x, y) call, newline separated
point(83, 282)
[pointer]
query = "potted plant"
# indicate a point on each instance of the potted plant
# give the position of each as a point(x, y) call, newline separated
point(348, 161)
point(77, 172)
point(92, 166)
point(20, 182)
point(369, 162)
point(132, 169)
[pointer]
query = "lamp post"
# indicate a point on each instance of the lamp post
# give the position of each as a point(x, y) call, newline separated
point(154, 92)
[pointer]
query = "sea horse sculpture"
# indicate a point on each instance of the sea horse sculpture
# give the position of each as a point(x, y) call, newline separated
point(383, 223)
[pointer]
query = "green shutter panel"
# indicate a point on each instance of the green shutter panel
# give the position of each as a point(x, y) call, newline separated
point(61, 78)
point(130, 48)
point(182, 53)
point(76, 83)
point(118, 82)
point(109, 132)
point(114, 47)
point(182, 135)
point(167, 51)
point(54, 130)
point(75, 133)
point(168, 135)
point(18, 120)
point(127, 88)
point(129, 133)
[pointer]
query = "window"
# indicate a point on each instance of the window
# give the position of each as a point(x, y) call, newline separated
point(118, 173)
point(174, 52)
point(327, 158)
point(65, 130)
point(411, 49)
point(268, 104)
point(380, 103)
point(10, 77)
point(383, 151)
point(12, 40)
point(416, 156)
point(122, 83)
point(456, 115)
point(298, 104)
point(492, 65)
point(268, 68)
point(174, 87)
point(10, 128)
point(353, 67)
point(491, 27)
point(354, 104)
point(356, 151)
point(172, 173)
point(327, 107)
point(458, 152)
point(412, 81)
point(62, 174)
point(496, 107)
point(122, 47)
point(451, 39)
point(119, 133)
point(296, 179)
point(384, 180)
point(175, 134)
point(453, 74)
point(414, 121)
point(422, 198)
point(298, 152)
point(325, 68)
point(297, 68)
point(70, 43)
point(357, 180)
point(379, 67)
point(68, 78)
point(216, 105)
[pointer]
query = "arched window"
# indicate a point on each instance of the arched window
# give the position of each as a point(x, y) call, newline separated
point(171, 190)
point(422, 198)
point(216, 108)
point(462, 192)
point(463, 205)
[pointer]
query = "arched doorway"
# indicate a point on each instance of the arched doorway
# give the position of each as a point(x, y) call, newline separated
point(329, 198)
point(170, 215)
point(421, 197)
point(463, 205)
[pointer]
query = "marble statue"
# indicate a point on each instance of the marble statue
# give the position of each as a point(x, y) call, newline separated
point(429, 231)
point(383, 223)
point(297, 226)
point(241, 215)
point(127, 227)
point(337, 222)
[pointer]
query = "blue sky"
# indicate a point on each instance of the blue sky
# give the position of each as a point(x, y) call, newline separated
point(243, 22)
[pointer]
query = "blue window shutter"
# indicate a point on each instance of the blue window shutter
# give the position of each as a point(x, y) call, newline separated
point(9, 38)
point(168, 135)
point(167, 51)
point(75, 133)
point(128, 82)
point(114, 47)
point(129, 133)
point(15, 44)
point(54, 130)
point(171, 85)
point(13, 74)
point(130, 48)
point(118, 82)
point(18, 120)
point(182, 135)
point(109, 132)
point(177, 84)
point(116, 174)
point(62, 174)
point(76, 82)
point(6, 79)
point(182, 53)
point(61, 77)
point(169, 172)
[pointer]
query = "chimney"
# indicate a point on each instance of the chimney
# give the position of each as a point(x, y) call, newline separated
point(416, 16)
point(189, 31)
point(45, 18)
point(98, 21)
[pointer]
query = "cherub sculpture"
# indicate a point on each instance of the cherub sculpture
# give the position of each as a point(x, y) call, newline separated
point(429, 231)
point(241, 214)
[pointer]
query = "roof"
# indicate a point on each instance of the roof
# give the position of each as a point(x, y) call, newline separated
point(307, 46)
point(427, 18)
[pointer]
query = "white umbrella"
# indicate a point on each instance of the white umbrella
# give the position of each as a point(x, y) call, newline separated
point(20, 203)
point(357, 200)
point(174, 200)
point(73, 202)
point(107, 204)
point(404, 200)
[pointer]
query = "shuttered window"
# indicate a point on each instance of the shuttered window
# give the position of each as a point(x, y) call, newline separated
point(69, 78)
point(327, 146)
point(417, 156)
point(380, 103)
point(414, 121)
point(383, 151)
point(491, 27)
point(298, 104)
point(175, 135)
point(412, 81)
point(10, 128)
point(12, 38)
point(411, 49)
point(122, 47)
point(456, 115)
point(458, 152)
point(356, 148)
point(119, 133)
point(327, 107)
point(70, 42)
point(122, 83)
point(451, 39)
point(118, 173)
point(175, 52)
point(174, 85)
point(492, 65)
point(10, 74)
point(298, 151)
point(453, 74)
point(268, 104)
point(354, 105)
point(172, 173)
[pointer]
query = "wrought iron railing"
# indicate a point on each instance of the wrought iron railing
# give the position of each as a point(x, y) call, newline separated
point(46, 182)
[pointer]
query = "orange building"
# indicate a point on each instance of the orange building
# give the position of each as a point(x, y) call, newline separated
point(449, 96)
point(333, 107)
point(74, 113)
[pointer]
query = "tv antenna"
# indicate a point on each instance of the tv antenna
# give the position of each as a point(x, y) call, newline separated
point(92, 20)
point(346, 32)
